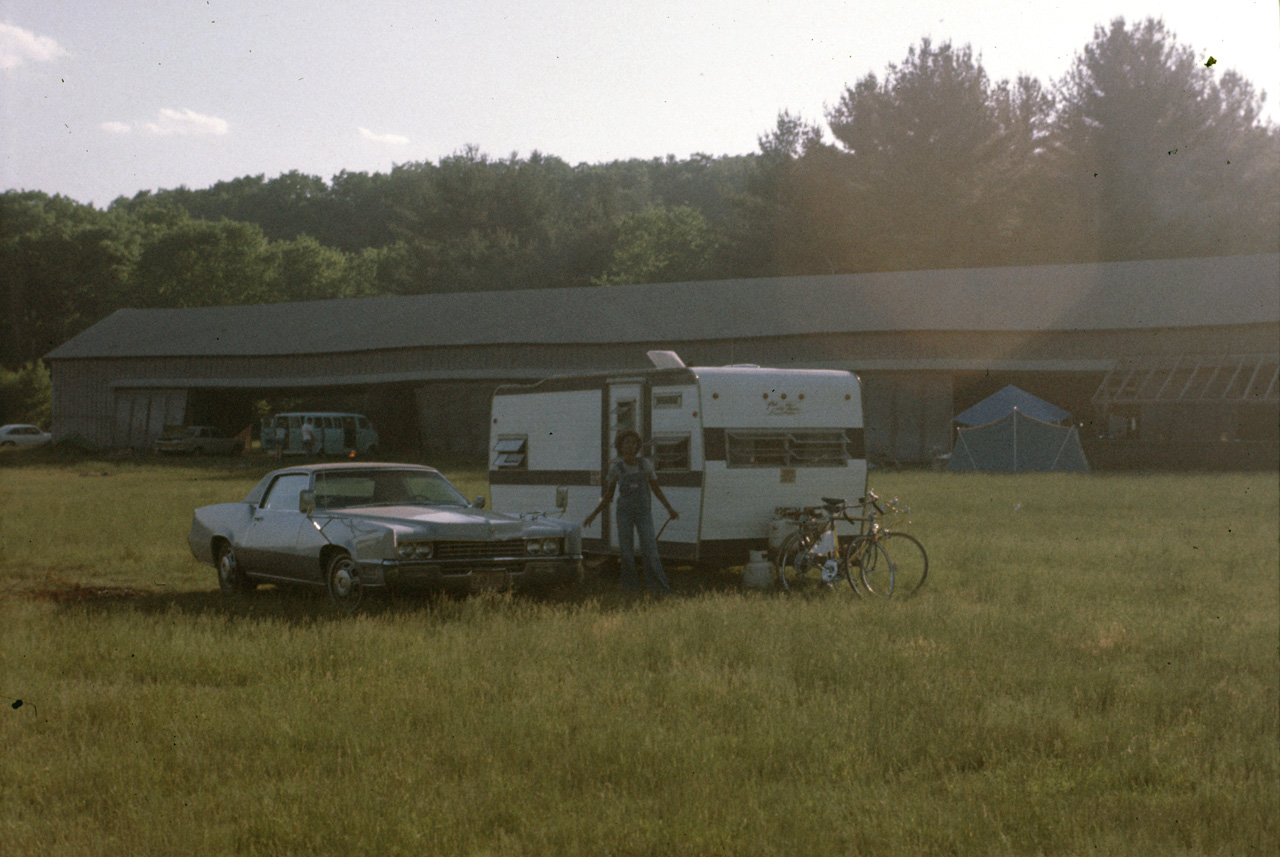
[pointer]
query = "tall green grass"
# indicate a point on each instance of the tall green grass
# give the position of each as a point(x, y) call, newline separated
point(1092, 667)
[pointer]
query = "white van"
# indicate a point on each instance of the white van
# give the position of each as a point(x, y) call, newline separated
point(731, 445)
point(333, 433)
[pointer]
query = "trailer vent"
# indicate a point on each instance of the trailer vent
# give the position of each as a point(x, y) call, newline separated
point(666, 400)
point(511, 453)
point(815, 448)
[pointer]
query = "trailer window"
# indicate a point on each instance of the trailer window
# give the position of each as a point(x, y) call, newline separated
point(799, 448)
point(671, 452)
point(511, 452)
point(625, 415)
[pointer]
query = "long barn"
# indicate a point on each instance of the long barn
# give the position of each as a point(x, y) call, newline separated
point(1158, 357)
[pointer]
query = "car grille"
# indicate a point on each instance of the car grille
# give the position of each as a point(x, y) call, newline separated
point(481, 549)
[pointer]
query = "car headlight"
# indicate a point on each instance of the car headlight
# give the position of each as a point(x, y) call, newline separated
point(415, 550)
point(533, 547)
point(551, 547)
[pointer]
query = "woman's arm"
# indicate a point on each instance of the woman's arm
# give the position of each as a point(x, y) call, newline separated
point(605, 499)
point(662, 498)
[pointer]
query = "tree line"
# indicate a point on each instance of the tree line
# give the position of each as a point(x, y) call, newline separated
point(1140, 151)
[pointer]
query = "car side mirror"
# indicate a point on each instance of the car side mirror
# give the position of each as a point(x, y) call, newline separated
point(478, 502)
point(562, 498)
point(307, 501)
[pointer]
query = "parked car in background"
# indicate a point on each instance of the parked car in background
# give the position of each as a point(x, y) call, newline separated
point(350, 527)
point(20, 434)
point(189, 440)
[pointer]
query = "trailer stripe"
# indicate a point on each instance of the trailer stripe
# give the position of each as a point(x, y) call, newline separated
point(675, 479)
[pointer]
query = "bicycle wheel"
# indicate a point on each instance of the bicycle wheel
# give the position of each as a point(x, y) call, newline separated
point(853, 564)
point(793, 562)
point(910, 562)
point(877, 570)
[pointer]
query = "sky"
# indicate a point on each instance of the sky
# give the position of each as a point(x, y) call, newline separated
point(106, 98)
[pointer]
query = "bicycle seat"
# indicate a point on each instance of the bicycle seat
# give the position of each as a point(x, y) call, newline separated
point(832, 503)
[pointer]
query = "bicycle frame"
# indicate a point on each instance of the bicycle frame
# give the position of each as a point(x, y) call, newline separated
point(816, 545)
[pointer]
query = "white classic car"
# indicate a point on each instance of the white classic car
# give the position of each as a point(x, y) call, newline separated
point(350, 527)
point(20, 434)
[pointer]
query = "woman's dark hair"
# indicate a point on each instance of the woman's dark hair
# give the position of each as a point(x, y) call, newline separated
point(623, 435)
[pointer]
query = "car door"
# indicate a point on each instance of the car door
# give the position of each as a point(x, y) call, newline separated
point(272, 544)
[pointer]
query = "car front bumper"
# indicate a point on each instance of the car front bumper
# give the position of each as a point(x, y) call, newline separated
point(515, 573)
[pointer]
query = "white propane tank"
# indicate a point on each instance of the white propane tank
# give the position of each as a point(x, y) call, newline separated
point(758, 572)
point(779, 529)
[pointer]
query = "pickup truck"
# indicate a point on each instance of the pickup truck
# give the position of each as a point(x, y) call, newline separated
point(190, 440)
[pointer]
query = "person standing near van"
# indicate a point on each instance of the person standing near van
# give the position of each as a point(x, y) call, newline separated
point(634, 479)
point(308, 438)
point(281, 438)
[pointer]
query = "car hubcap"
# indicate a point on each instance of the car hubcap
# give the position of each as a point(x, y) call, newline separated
point(343, 582)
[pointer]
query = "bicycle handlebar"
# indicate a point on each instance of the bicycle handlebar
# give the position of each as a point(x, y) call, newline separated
point(832, 507)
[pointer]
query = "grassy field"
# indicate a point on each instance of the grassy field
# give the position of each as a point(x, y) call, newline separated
point(1092, 668)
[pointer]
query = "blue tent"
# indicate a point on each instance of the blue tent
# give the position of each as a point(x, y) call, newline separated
point(1016, 443)
point(1010, 399)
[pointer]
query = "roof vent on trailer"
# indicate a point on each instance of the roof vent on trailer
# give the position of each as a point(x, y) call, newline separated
point(666, 360)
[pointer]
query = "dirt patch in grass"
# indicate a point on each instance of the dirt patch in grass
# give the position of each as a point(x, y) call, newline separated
point(59, 590)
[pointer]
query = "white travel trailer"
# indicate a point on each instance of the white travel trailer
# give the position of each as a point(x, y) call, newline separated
point(730, 444)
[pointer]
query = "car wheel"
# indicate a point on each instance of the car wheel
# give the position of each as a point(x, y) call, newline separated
point(343, 580)
point(231, 577)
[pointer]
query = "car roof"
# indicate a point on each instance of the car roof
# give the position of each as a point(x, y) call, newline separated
point(255, 495)
point(330, 467)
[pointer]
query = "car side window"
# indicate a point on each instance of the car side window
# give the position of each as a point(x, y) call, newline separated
point(284, 492)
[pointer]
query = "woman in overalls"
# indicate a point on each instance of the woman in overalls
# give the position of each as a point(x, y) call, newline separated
point(634, 479)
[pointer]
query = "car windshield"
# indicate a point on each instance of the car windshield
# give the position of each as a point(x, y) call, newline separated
point(343, 488)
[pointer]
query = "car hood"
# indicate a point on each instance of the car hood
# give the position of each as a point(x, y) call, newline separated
point(454, 522)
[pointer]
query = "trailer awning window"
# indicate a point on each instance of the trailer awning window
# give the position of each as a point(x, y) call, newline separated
point(510, 453)
point(671, 452)
point(798, 448)
point(666, 400)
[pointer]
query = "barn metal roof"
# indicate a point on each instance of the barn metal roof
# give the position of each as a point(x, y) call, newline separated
point(1168, 293)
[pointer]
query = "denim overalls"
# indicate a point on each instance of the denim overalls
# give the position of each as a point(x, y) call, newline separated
point(634, 516)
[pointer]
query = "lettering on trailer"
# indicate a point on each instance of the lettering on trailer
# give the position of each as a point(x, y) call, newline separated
point(781, 409)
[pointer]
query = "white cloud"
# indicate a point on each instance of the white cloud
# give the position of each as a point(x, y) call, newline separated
point(389, 139)
point(17, 46)
point(186, 123)
point(115, 127)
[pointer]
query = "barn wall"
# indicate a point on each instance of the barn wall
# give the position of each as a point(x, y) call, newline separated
point(83, 403)
point(907, 416)
point(454, 417)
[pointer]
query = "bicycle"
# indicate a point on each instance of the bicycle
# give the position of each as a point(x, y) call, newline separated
point(886, 561)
